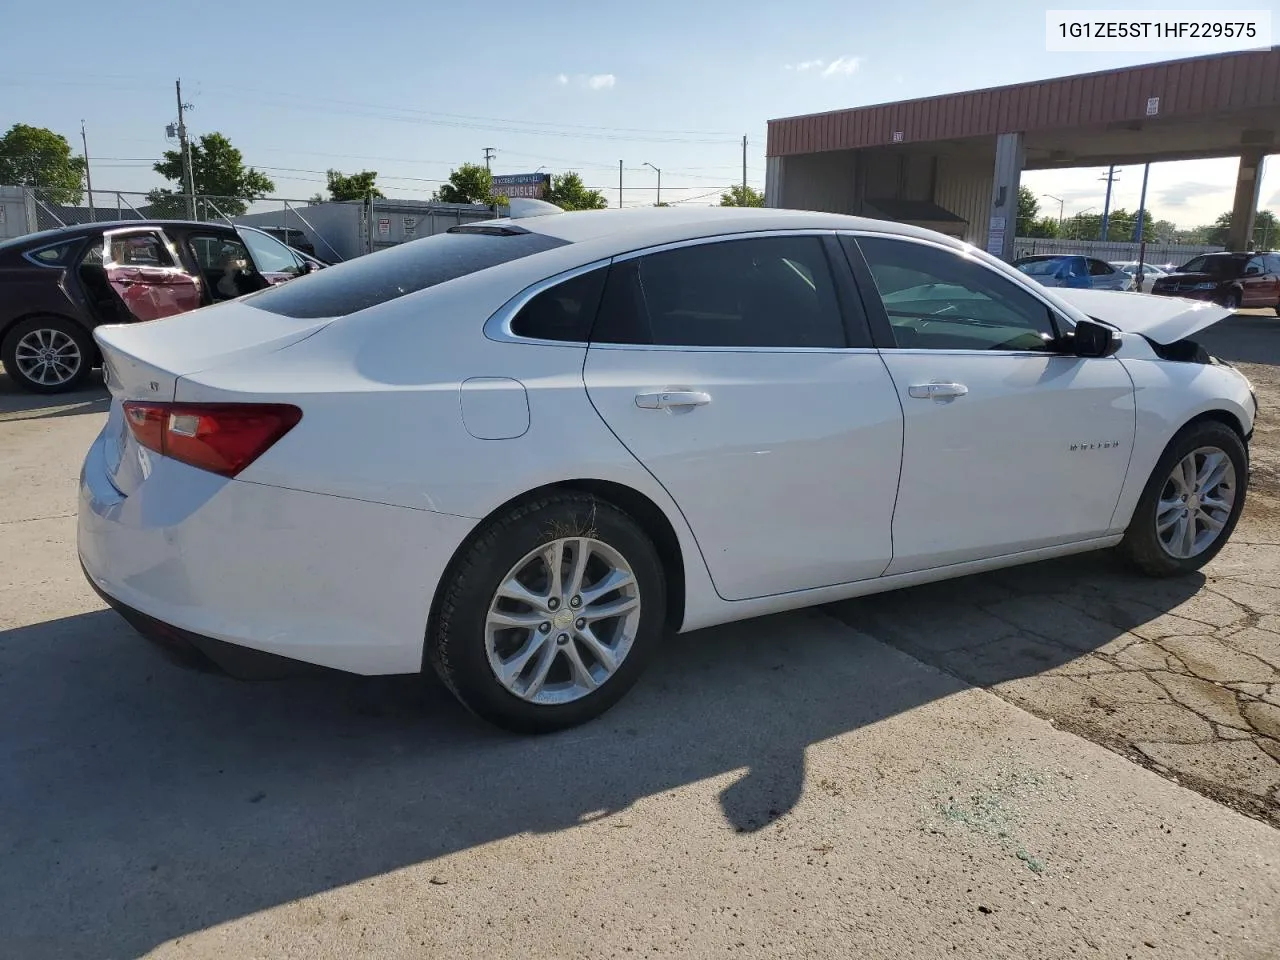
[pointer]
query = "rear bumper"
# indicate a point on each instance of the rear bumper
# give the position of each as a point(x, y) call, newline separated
point(203, 562)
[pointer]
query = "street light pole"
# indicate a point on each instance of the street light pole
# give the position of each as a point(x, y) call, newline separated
point(88, 180)
point(659, 173)
point(1062, 204)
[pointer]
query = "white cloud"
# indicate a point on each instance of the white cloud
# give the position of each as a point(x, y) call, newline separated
point(841, 65)
point(592, 81)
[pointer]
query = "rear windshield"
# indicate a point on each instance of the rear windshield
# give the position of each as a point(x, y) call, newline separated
point(378, 277)
point(1215, 266)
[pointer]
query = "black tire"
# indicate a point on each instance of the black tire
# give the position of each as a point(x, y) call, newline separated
point(1232, 300)
point(78, 334)
point(1141, 546)
point(455, 642)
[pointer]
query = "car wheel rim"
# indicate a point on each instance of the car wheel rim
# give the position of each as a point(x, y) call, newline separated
point(1196, 502)
point(48, 357)
point(562, 620)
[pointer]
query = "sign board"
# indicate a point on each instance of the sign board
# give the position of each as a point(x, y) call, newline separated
point(995, 236)
point(384, 226)
point(410, 226)
point(897, 136)
point(528, 185)
point(1153, 106)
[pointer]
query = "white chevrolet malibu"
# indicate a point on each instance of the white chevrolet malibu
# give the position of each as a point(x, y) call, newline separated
point(521, 451)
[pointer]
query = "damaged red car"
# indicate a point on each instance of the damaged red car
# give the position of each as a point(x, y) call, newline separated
point(56, 286)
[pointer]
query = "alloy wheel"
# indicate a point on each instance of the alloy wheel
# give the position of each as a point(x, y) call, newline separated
point(1196, 502)
point(48, 356)
point(562, 620)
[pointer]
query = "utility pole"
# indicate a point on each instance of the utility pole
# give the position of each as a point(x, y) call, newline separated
point(88, 180)
point(1106, 206)
point(1142, 216)
point(189, 175)
point(1062, 205)
point(619, 184)
point(659, 173)
point(489, 154)
point(744, 169)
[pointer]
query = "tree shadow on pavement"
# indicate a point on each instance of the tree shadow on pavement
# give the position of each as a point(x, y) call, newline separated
point(141, 801)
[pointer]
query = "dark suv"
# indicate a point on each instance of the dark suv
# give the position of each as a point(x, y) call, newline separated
point(1231, 279)
point(56, 286)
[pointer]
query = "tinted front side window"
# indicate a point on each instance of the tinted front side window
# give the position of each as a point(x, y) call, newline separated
point(1099, 269)
point(395, 272)
point(939, 300)
point(1215, 266)
point(563, 312)
point(760, 292)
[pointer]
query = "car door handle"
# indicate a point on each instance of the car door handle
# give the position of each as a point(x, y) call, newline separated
point(937, 391)
point(675, 398)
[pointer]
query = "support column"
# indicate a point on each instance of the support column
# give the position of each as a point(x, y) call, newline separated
point(773, 179)
point(1002, 226)
point(1245, 207)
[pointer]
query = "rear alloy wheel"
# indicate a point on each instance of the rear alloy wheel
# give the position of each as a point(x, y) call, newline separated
point(1191, 503)
point(47, 355)
point(550, 615)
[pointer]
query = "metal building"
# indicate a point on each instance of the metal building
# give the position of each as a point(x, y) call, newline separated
point(954, 162)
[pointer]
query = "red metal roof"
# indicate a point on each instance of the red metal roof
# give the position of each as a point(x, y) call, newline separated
point(1187, 88)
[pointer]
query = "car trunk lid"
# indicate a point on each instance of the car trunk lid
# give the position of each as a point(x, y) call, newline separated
point(145, 361)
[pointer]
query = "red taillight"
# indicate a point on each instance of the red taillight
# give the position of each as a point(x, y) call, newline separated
point(220, 437)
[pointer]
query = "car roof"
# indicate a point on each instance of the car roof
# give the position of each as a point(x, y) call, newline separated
point(634, 227)
point(85, 229)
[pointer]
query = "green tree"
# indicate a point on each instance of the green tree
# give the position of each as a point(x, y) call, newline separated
point(470, 183)
point(568, 192)
point(1028, 209)
point(1265, 232)
point(740, 196)
point(355, 186)
point(218, 171)
point(1044, 227)
point(40, 158)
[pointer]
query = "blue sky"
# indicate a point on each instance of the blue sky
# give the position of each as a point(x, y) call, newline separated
point(400, 87)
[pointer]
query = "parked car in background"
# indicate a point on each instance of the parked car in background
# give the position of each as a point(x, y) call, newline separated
point(1150, 273)
point(1233, 280)
point(1069, 270)
point(522, 451)
point(58, 285)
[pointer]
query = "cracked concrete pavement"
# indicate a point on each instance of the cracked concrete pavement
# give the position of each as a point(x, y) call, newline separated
point(787, 786)
point(1181, 676)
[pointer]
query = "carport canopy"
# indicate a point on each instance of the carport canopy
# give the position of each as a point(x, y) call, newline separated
point(964, 152)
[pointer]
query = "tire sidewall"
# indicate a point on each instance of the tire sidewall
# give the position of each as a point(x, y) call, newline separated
point(1142, 542)
point(456, 640)
point(82, 338)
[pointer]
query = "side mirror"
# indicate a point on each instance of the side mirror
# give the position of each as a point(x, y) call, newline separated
point(1091, 339)
point(308, 266)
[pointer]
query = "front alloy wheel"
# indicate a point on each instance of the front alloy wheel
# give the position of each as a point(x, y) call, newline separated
point(1191, 502)
point(1196, 503)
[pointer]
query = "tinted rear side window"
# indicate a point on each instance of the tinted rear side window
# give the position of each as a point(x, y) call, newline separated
point(564, 312)
point(378, 277)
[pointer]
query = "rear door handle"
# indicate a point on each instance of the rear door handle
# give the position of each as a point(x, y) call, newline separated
point(937, 391)
point(675, 398)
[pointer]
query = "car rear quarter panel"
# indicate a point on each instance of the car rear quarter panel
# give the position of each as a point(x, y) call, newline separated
point(39, 291)
point(1169, 396)
point(383, 416)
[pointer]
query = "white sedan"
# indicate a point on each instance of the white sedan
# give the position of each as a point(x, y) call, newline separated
point(1150, 273)
point(522, 451)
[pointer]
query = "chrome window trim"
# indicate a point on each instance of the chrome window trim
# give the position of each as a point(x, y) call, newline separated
point(30, 255)
point(1019, 280)
point(722, 237)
